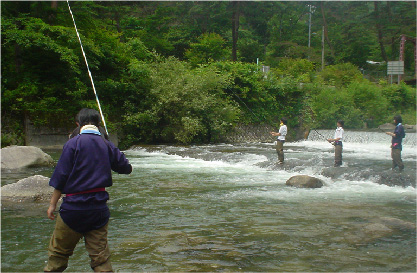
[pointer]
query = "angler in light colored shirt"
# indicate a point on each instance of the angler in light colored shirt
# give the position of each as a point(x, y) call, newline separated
point(281, 139)
point(337, 142)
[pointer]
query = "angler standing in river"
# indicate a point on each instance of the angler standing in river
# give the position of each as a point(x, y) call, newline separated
point(396, 143)
point(82, 173)
point(281, 139)
point(337, 142)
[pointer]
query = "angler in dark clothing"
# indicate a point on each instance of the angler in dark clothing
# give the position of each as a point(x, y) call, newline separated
point(396, 143)
point(82, 173)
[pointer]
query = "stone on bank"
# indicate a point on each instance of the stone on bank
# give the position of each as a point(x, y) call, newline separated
point(16, 157)
point(34, 188)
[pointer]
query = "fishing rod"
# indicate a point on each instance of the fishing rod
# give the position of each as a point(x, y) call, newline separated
point(381, 130)
point(88, 68)
point(319, 133)
point(315, 130)
point(269, 123)
point(250, 110)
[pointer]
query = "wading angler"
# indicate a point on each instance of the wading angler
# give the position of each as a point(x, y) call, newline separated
point(83, 172)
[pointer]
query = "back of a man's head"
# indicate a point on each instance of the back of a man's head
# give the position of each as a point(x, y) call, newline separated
point(88, 116)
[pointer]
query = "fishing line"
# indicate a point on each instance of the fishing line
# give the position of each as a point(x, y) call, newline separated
point(88, 68)
point(265, 119)
point(319, 134)
point(314, 122)
point(382, 130)
point(313, 129)
point(269, 123)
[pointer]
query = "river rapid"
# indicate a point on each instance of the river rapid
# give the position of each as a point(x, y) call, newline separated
point(227, 208)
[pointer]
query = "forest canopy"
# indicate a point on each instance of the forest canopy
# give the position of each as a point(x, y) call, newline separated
point(189, 71)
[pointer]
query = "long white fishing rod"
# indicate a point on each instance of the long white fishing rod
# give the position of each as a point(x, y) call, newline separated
point(88, 68)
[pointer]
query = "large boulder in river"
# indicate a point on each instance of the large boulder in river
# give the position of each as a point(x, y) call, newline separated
point(395, 223)
point(16, 157)
point(34, 188)
point(370, 232)
point(304, 181)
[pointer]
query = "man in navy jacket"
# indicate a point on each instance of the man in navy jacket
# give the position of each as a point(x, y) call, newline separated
point(396, 143)
point(82, 174)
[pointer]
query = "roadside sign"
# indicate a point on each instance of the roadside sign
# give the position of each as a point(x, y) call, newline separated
point(395, 68)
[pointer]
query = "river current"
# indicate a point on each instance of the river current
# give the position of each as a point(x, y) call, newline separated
point(227, 208)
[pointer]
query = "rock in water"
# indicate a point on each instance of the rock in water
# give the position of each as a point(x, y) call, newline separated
point(34, 188)
point(16, 157)
point(304, 181)
point(395, 223)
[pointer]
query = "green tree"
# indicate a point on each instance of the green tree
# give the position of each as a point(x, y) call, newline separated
point(331, 105)
point(41, 69)
point(368, 99)
point(340, 75)
point(210, 47)
point(188, 105)
point(249, 48)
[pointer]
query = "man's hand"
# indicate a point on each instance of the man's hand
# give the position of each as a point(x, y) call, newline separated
point(52, 205)
point(51, 211)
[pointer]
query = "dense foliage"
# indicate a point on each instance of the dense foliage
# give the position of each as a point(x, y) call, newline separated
point(187, 71)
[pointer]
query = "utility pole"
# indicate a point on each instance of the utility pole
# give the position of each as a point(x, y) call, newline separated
point(309, 27)
point(322, 50)
point(405, 38)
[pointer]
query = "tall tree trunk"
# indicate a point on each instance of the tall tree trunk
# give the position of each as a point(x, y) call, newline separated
point(379, 28)
point(394, 39)
point(17, 58)
point(17, 51)
point(118, 27)
point(52, 15)
point(326, 34)
point(235, 28)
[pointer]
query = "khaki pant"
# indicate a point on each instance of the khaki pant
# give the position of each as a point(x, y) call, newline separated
point(396, 159)
point(62, 244)
point(280, 151)
point(338, 155)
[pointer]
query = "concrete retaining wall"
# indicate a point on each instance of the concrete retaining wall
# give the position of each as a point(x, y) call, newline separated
point(250, 133)
point(261, 133)
point(52, 137)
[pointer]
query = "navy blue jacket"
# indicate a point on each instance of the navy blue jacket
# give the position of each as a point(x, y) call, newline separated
point(86, 163)
point(398, 138)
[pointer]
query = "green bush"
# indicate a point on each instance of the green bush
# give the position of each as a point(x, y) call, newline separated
point(332, 104)
point(210, 47)
point(296, 68)
point(400, 96)
point(340, 75)
point(368, 99)
point(185, 105)
point(11, 139)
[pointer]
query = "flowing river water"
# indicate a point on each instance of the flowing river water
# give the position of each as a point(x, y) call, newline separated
point(227, 208)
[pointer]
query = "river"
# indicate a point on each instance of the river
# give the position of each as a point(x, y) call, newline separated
point(227, 208)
